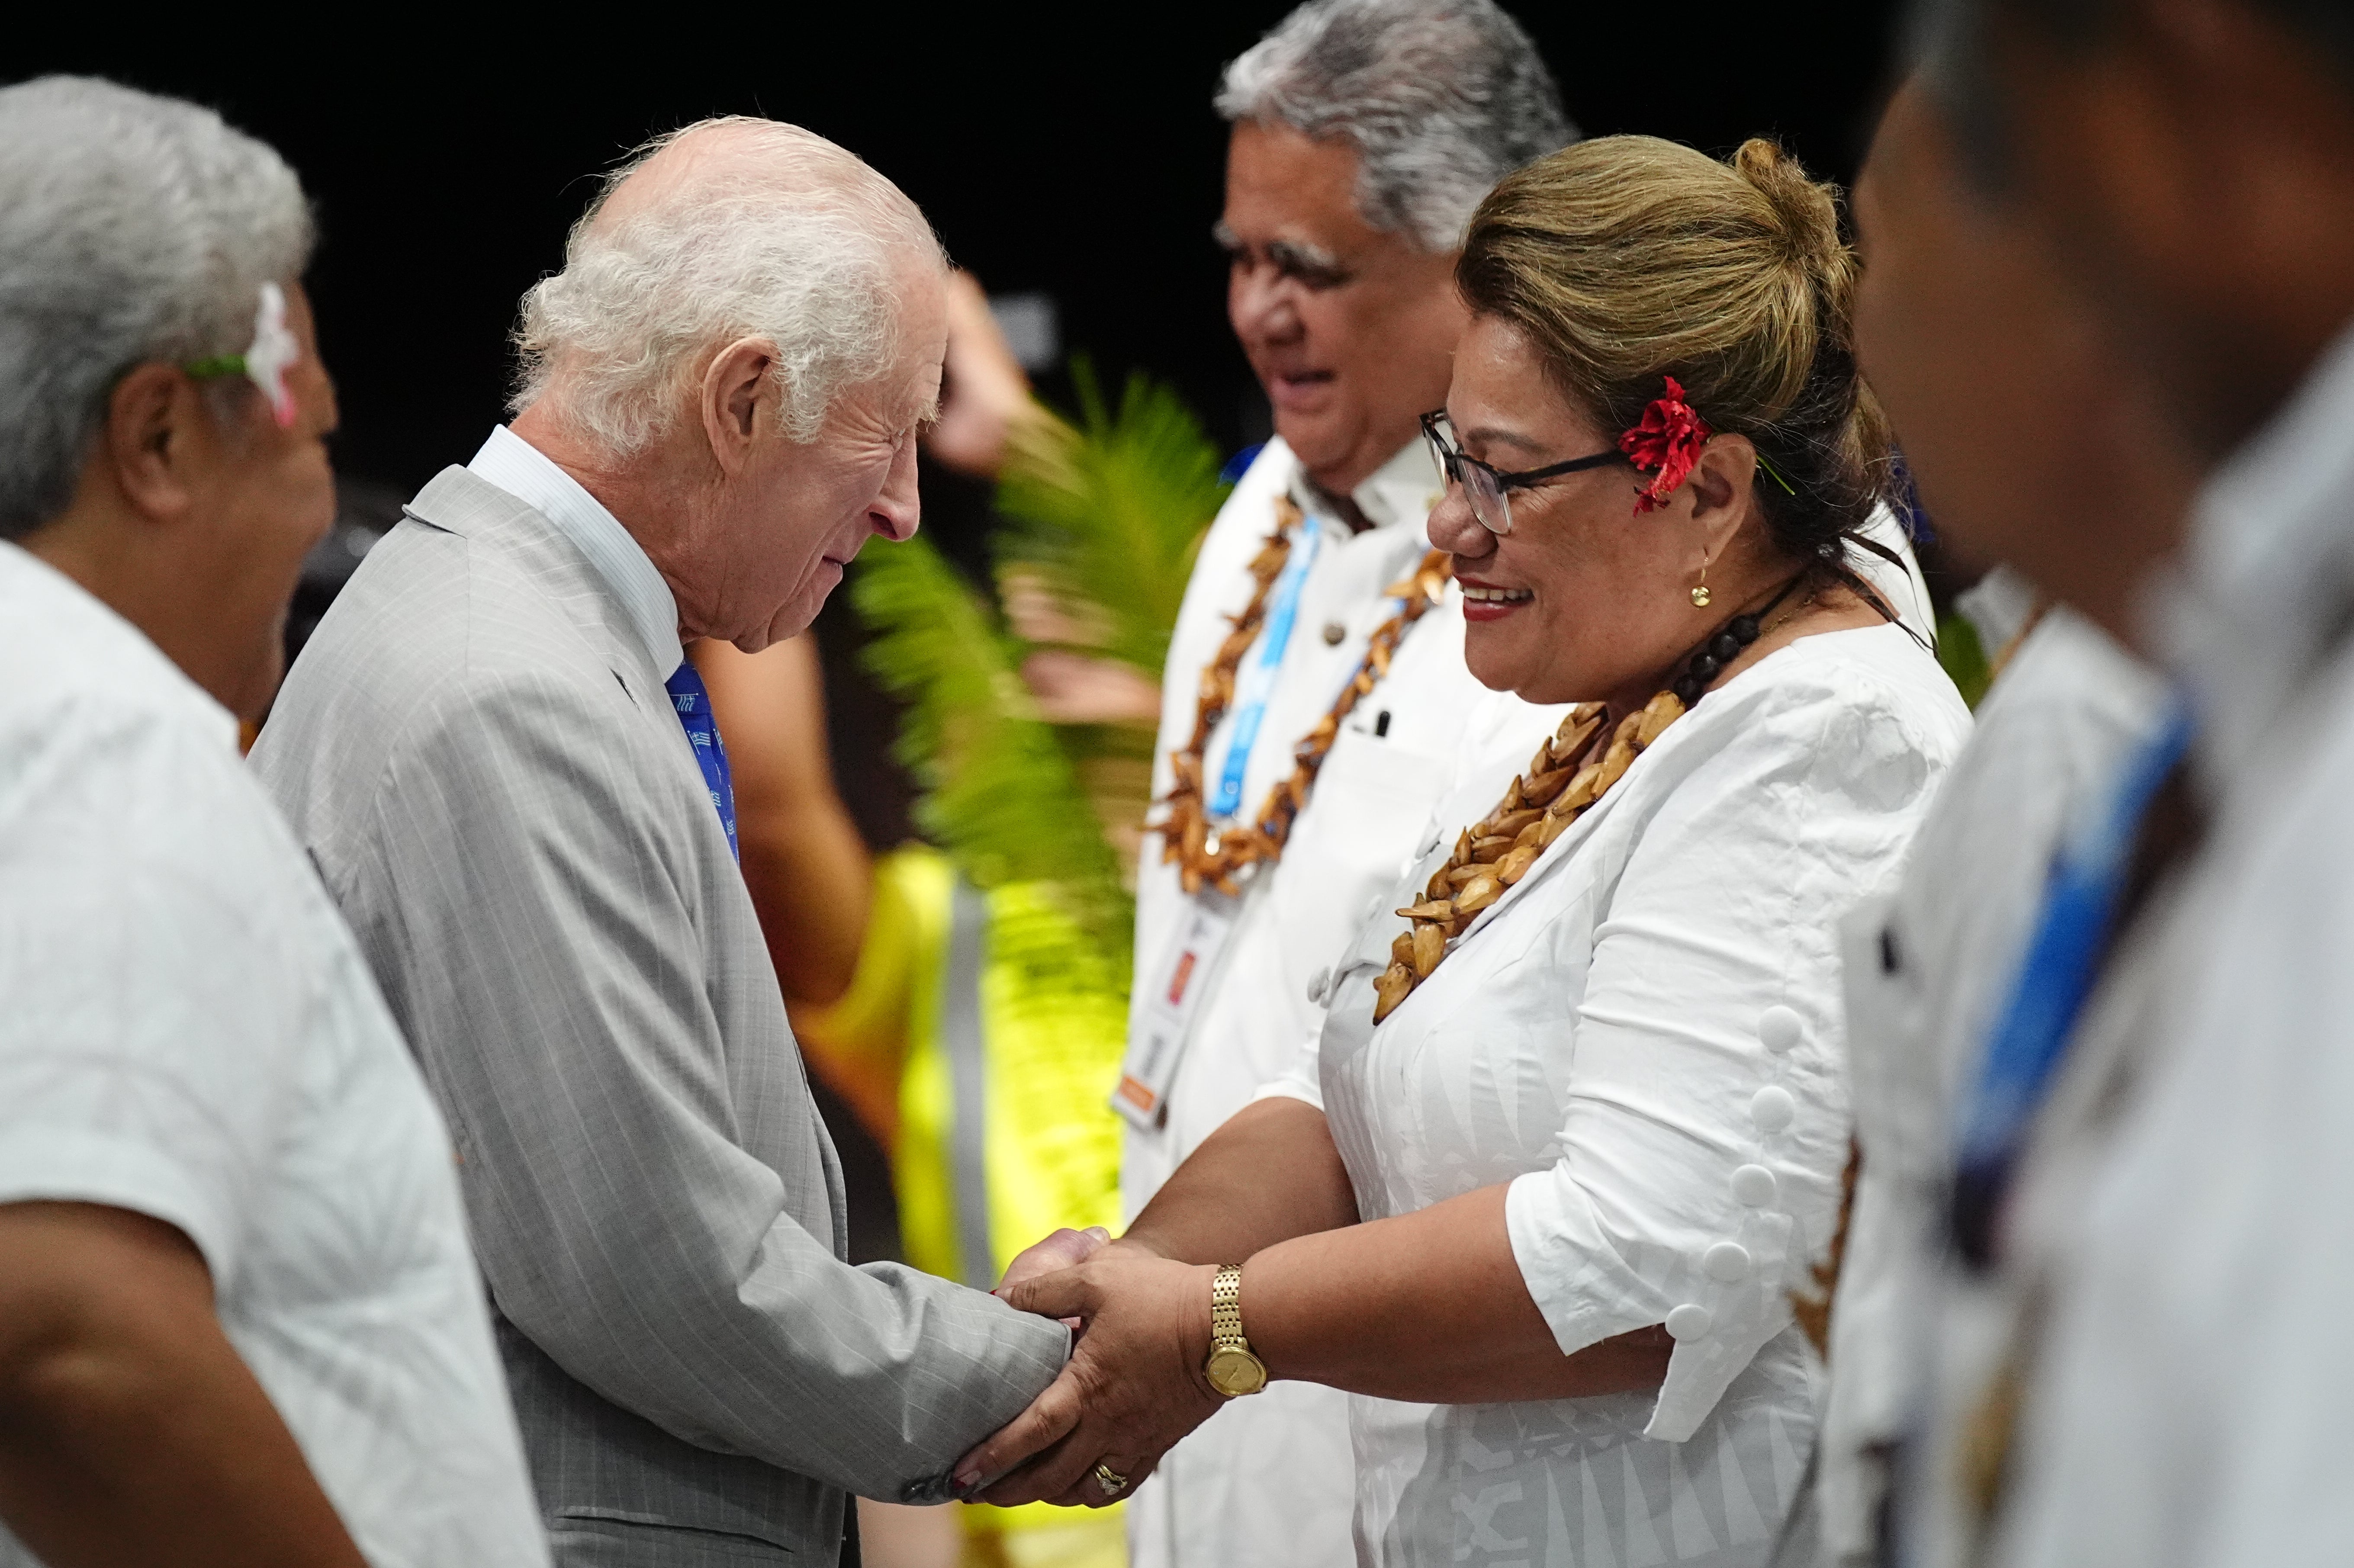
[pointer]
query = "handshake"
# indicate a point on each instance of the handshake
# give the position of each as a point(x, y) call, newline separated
point(1134, 1384)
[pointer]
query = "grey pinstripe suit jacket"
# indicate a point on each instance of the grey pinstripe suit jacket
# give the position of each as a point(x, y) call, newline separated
point(487, 771)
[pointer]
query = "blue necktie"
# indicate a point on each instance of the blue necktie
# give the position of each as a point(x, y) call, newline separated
point(694, 704)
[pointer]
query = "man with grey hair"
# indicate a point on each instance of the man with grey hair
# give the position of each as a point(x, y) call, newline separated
point(239, 1322)
point(1365, 133)
point(507, 769)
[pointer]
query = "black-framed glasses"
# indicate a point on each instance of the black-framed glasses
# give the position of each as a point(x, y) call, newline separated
point(1485, 487)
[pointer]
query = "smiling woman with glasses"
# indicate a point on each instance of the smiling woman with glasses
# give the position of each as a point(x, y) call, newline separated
point(1548, 1192)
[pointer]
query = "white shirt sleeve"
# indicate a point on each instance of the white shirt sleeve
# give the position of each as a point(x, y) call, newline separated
point(1706, 1129)
point(146, 1045)
point(1303, 1080)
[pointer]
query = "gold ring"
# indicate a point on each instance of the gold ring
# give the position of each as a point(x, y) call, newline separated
point(1112, 1482)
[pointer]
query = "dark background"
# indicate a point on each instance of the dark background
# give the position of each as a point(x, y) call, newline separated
point(1072, 151)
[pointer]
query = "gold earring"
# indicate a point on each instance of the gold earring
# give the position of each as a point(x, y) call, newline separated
point(1700, 589)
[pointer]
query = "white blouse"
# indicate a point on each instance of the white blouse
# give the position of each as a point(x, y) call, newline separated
point(1268, 1483)
point(1643, 1038)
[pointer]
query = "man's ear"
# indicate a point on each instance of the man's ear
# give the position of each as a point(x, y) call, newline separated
point(157, 433)
point(739, 387)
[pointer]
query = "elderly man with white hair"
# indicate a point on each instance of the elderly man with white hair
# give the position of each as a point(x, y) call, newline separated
point(239, 1322)
point(1365, 133)
point(506, 771)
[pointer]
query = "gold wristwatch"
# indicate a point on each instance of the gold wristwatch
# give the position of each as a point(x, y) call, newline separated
point(1231, 1370)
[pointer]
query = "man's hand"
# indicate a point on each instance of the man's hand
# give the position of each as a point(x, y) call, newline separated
point(1067, 1248)
point(130, 1430)
point(1133, 1387)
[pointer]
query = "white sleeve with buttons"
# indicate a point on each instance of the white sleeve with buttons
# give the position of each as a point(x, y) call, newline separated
point(1705, 1112)
point(1641, 1041)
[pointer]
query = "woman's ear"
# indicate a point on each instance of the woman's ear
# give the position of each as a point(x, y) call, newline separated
point(1720, 485)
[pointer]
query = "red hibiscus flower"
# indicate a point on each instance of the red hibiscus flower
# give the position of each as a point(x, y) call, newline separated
point(1667, 439)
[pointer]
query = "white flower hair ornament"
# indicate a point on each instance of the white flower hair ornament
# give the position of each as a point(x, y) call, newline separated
point(265, 363)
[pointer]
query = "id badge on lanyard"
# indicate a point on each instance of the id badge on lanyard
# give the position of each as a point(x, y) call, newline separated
point(1182, 975)
point(1178, 980)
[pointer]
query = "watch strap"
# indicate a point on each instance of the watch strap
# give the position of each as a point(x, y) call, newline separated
point(1225, 1307)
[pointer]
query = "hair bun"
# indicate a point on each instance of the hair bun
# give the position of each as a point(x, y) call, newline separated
point(1808, 211)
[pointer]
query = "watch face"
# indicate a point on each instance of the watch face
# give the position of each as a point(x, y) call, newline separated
point(1234, 1372)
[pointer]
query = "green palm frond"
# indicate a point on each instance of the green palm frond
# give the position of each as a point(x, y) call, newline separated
point(1000, 795)
point(1100, 519)
point(1109, 511)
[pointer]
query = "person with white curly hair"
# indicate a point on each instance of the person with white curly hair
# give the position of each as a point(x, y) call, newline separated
point(240, 1324)
point(506, 768)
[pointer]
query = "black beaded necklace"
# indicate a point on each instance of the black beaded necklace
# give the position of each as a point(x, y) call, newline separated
point(1725, 646)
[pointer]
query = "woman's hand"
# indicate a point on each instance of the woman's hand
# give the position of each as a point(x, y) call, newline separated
point(1133, 1388)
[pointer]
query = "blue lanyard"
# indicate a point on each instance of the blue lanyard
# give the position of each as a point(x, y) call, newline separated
point(1259, 681)
point(2055, 979)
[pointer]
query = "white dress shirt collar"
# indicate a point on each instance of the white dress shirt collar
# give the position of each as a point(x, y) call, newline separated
point(523, 471)
point(1402, 490)
point(2265, 581)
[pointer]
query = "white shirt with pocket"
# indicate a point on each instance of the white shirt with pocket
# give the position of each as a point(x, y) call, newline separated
point(189, 1034)
point(1268, 1482)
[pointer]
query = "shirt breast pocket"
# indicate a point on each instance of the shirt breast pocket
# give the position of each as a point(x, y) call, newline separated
point(1371, 800)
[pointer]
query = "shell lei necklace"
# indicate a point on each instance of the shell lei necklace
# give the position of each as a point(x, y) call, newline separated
point(1206, 854)
point(1562, 782)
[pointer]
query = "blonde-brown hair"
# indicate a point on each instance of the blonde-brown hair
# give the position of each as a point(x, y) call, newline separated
point(1627, 259)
